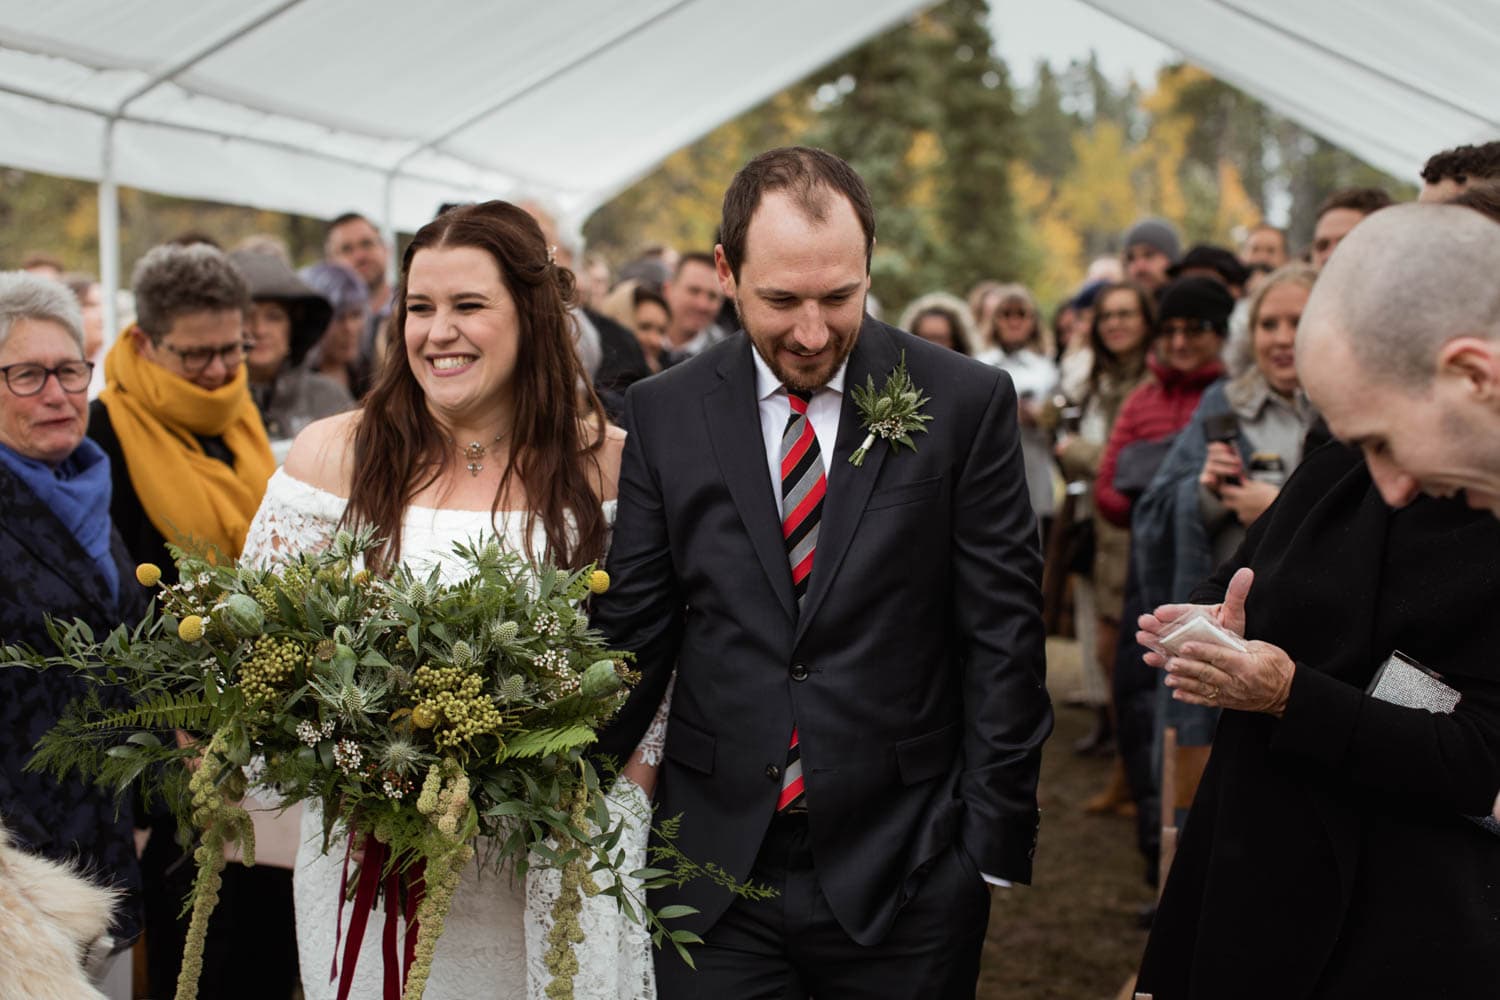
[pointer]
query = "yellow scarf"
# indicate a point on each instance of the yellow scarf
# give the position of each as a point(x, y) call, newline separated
point(190, 497)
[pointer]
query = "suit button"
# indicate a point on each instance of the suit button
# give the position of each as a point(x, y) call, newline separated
point(773, 772)
point(799, 672)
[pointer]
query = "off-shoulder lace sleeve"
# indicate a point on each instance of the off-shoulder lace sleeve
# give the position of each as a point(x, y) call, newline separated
point(294, 517)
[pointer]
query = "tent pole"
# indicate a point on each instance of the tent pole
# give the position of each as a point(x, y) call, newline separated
point(109, 233)
point(388, 228)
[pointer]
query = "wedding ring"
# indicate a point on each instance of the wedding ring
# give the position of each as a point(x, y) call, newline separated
point(1213, 693)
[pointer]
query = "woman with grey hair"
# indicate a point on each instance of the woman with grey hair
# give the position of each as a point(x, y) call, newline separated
point(62, 557)
point(190, 459)
point(188, 452)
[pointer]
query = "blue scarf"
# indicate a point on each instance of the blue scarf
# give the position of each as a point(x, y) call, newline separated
point(78, 493)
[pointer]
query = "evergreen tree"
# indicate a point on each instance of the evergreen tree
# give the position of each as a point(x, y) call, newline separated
point(924, 113)
point(981, 135)
point(1048, 128)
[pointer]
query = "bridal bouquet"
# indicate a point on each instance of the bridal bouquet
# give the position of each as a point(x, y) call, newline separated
point(422, 716)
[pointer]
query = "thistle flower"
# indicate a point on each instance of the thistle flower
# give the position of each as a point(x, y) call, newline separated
point(512, 688)
point(463, 655)
point(502, 633)
point(416, 594)
point(399, 755)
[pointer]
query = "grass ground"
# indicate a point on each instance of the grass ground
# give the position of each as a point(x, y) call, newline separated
point(1072, 935)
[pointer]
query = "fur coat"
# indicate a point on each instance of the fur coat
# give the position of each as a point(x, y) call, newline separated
point(53, 922)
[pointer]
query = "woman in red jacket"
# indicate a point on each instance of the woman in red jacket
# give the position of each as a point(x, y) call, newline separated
point(1192, 324)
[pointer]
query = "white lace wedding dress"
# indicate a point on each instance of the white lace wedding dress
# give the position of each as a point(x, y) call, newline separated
point(495, 937)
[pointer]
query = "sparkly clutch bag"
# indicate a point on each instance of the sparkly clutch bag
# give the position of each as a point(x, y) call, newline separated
point(1403, 681)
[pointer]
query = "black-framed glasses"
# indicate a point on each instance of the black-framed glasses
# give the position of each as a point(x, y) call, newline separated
point(27, 379)
point(195, 360)
point(1189, 328)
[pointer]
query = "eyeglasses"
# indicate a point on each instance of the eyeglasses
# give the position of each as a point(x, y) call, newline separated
point(1119, 314)
point(195, 360)
point(26, 379)
point(1189, 328)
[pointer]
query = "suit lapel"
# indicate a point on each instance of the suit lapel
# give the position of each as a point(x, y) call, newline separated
point(849, 486)
point(36, 529)
point(732, 414)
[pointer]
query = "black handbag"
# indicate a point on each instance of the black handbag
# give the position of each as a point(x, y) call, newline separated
point(1137, 463)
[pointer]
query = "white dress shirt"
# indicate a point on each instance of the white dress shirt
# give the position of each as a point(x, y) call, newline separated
point(776, 409)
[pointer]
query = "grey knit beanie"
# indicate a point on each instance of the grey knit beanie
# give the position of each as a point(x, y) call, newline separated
point(1158, 233)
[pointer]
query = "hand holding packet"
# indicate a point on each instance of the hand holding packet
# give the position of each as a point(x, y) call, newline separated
point(1196, 625)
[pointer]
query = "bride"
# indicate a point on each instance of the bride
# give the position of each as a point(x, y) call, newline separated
point(475, 427)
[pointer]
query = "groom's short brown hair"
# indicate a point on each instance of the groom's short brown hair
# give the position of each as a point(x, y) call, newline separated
point(809, 175)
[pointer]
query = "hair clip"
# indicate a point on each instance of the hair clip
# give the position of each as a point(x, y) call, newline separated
point(552, 255)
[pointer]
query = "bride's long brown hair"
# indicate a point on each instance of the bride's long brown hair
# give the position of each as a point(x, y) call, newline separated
point(556, 433)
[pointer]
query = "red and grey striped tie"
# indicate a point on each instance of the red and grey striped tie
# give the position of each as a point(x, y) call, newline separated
point(803, 484)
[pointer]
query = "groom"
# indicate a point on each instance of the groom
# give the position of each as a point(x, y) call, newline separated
point(859, 707)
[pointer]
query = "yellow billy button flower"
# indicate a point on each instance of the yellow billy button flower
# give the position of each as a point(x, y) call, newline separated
point(598, 581)
point(190, 629)
point(148, 574)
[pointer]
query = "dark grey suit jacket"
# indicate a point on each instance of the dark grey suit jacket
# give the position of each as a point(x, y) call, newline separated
point(915, 672)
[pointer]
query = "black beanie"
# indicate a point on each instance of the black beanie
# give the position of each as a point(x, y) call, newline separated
point(1196, 298)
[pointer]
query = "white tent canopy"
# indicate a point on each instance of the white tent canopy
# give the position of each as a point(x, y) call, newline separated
point(1391, 81)
point(318, 106)
point(321, 106)
point(325, 106)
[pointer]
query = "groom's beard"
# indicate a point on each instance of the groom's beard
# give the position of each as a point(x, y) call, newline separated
point(809, 373)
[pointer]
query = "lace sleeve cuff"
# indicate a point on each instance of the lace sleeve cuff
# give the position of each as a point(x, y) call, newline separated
point(650, 748)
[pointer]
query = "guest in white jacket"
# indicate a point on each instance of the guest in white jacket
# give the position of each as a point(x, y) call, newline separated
point(1015, 343)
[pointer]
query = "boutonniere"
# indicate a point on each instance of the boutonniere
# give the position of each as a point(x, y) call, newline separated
point(894, 413)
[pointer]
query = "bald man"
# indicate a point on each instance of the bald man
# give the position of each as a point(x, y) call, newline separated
point(1329, 830)
point(1399, 348)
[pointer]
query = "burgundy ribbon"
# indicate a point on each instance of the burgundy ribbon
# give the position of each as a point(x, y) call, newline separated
point(397, 966)
point(338, 929)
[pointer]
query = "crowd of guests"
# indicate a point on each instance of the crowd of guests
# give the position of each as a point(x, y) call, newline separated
point(1160, 408)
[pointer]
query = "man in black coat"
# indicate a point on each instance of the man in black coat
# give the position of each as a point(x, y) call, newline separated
point(1330, 851)
point(906, 664)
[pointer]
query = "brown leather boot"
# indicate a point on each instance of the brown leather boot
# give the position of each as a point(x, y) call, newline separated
point(1115, 798)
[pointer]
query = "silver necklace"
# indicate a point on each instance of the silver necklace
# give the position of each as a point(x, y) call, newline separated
point(476, 453)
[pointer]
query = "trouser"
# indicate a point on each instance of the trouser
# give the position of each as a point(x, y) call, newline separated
point(1135, 686)
point(790, 947)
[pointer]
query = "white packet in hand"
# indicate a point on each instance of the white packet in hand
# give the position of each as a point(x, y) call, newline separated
point(1197, 625)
